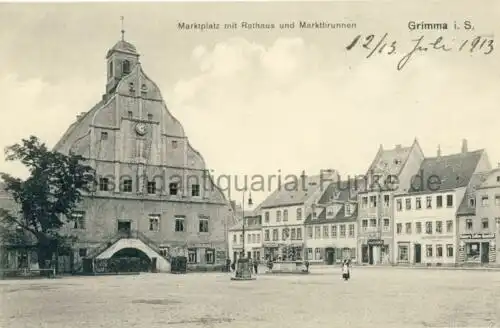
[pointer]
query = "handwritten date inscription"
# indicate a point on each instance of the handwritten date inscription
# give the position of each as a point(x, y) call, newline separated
point(383, 45)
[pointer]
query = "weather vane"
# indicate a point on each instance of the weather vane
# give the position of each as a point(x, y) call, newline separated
point(123, 30)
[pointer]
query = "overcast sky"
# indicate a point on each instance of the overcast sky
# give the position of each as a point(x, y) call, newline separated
point(262, 101)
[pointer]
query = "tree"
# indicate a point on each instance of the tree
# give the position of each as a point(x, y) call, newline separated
point(47, 199)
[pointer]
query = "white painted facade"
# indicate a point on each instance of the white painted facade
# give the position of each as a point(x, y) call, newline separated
point(253, 243)
point(421, 220)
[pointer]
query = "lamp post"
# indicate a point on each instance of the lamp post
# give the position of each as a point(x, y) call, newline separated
point(243, 269)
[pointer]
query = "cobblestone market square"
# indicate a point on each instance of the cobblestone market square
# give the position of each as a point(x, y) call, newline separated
point(374, 297)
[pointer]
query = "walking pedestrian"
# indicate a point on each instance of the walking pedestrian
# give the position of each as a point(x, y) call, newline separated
point(345, 270)
point(255, 266)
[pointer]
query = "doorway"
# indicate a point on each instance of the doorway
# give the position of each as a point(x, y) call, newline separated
point(330, 256)
point(485, 253)
point(418, 253)
point(370, 254)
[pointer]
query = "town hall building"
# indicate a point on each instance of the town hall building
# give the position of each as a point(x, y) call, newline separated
point(152, 191)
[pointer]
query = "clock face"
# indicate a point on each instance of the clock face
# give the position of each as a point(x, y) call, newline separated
point(140, 128)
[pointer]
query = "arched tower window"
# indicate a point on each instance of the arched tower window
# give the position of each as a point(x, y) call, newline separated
point(110, 71)
point(126, 67)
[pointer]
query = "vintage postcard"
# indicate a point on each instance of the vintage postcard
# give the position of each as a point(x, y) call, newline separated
point(250, 164)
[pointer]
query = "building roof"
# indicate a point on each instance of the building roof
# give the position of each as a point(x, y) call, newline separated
point(339, 191)
point(389, 161)
point(339, 217)
point(445, 172)
point(295, 192)
point(476, 180)
point(123, 46)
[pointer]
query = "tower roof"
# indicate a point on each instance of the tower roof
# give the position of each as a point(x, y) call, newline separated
point(123, 47)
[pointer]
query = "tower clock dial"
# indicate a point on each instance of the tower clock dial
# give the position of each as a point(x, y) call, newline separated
point(140, 128)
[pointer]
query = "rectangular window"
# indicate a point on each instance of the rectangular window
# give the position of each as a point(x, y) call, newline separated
point(428, 227)
point(284, 234)
point(326, 232)
point(351, 230)
point(234, 239)
point(174, 144)
point(484, 201)
point(150, 117)
point(317, 254)
point(449, 201)
point(192, 256)
point(386, 225)
point(342, 231)
point(485, 223)
point(266, 217)
point(439, 201)
point(399, 228)
point(334, 231)
point(373, 223)
point(449, 226)
point(497, 200)
point(130, 114)
point(103, 184)
point(364, 202)
point(299, 214)
point(418, 227)
point(399, 205)
point(210, 256)
point(258, 238)
point(294, 234)
point(364, 224)
point(173, 188)
point(299, 233)
point(78, 220)
point(309, 253)
point(104, 136)
point(428, 202)
point(449, 250)
point(266, 235)
point(127, 185)
point(439, 226)
point(203, 224)
point(386, 200)
point(278, 216)
point(82, 252)
point(179, 224)
point(408, 203)
point(418, 203)
point(403, 253)
point(275, 235)
point(309, 232)
point(151, 187)
point(195, 190)
point(408, 228)
point(285, 215)
point(348, 211)
point(439, 250)
point(468, 224)
point(317, 232)
point(154, 222)
point(373, 201)
point(428, 250)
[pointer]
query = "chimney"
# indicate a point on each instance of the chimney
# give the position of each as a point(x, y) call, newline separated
point(398, 147)
point(439, 151)
point(464, 146)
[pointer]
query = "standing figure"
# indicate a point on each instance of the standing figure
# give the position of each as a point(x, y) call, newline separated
point(345, 270)
point(255, 266)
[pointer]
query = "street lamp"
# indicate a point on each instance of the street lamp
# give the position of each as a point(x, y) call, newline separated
point(243, 266)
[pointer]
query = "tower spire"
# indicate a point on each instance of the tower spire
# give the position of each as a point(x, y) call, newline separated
point(123, 30)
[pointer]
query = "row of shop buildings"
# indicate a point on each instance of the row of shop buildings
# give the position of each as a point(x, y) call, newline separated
point(407, 209)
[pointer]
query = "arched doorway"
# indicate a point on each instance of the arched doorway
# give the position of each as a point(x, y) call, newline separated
point(129, 260)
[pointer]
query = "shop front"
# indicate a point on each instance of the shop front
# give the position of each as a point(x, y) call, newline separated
point(375, 251)
point(477, 248)
point(271, 251)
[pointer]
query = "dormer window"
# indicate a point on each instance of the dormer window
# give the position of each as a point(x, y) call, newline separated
point(348, 210)
point(130, 114)
point(131, 87)
point(472, 202)
point(110, 69)
point(498, 178)
point(397, 161)
point(126, 67)
point(150, 117)
point(104, 136)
